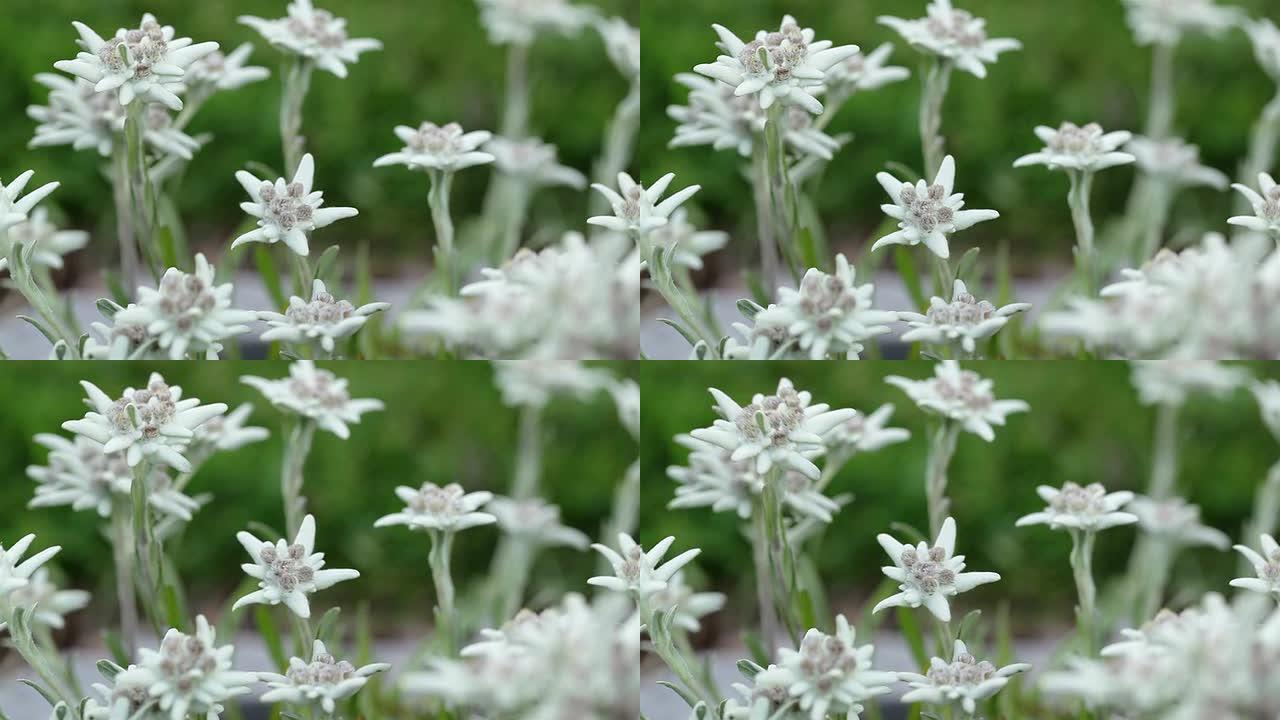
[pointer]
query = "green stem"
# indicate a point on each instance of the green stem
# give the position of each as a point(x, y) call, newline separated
point(1163, 99)
point(661, 279)
point(39, 661)
point(297, 83)
point(764, 216)
point(146, 548)
point(769, 625)
point(1078, 200)
point(528, 454)
point(515, 109)
point(781, 191)
point(1164, 465)
point(942, 447)
point(124, 215)
point(664, 647)
point(292, 474)
point(442, 578)
point(937, 81)
point(141, 190)
point(122, 547)
point(1082, 569)
point(302, 275)
point(438, 199)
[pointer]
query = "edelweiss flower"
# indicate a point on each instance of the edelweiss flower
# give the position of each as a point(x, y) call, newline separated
point(830, 675)
point(768, 693)
point(1266, 565)
point(79, 474)
point(444, 148)
point(321, 683)
point(866, 433)
point(190, 674)
point(128, 695)
point(687, 607)
point(787, 66)
point(535, 383)
point(782, 429)
point(960, 395)
point(830, 314)
point(1163, 22)
point(637, 571)
point(954, 35)
point(1176, 521)
point(147, 63)
point(637, 211)
point(518, 22)
point(1266, 45)
point(534, 521)
point(1175, 162)
point(228, 432)
point(16, 573)
point(1089, 508)
point(85, 119)
point(49, 243)
point(50, 605)
point(928, 213)
point(1267, 394)
point(315, 394)
point(119, 340)
point(435, 508)
point(961, 322)
point(287, 573)
point(1171, 382)
point(1079, 148)
point(859, 73)
point(13, 211)
point(315, 35)
point(154, 422)
point(929, 575)
point(623, 45)
point(188, 312)
point(533, 162)
point(321, 321)
point(965, 681)
point(226, 72)
point(287, 211)
point(1266, 207)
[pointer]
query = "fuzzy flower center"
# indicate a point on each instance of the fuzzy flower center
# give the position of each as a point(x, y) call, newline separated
point(959, 27)
point(185, 298)
point(184, 659)
point(825, 658)
point(288, 570)
point(773, 418)
point(927, 211)
point(324, 670)
point(965, 388)
point(432, 139)
point(321, 388)
point(1075, 140)
point(1086, 501)
point(321, 28)
point(964, 671)
point(286, 209)
point(104, 470)
point(1271, 204)
point(964, 311)
point(634, 565)
point(153, 405)
point(137, 52)
point(778, 54)
point(322, 310)
point(439, 501)
point(827, 298)
point(927, 573)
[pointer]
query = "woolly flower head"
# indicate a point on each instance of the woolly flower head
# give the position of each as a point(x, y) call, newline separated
point(153, 422)
point(1073, 147)
point(439, 509)
point(80, 475)
point(48, 243)
point(783, 429)
point(953, 35)
point(830, 674)
point(965, 681)
point(928, 213)
point(145, 63)
point(1266, 207)
point(1172, 382)
point(637, 571)
point(960, 395)
point(786, 66)
point(16, 573)
point(1087, 508)
point(287, 572)
point(188, 312)
point(829, 313)
point(322, 682)
point(287, 211)
point(315, 35)
point(928, 575)
point(961, 323)
point(190, 674)
point(1175, 162)
point(533, 161)
point(320, 321)
point(637, 210)
point(518, 22)
point(1164, 22)
point(315, 394)
point(85, 119)
point(1177, 522)
point(443, 148)
point(14, 206)
point(862, 72)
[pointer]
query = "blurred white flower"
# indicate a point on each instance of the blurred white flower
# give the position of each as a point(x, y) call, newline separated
point(1266, 565)
point(322, 682)
point(782, 429)
point(1171, 382)
point(1267, 393)
point(16, 573)
point(787, 66)
point(534, 383)
point(639, 572)
point(1089, 508)
point(14, 206)
point(152, 422)
point(534, 521)
point(146, 63)
point(50, 605)
point(320, 321)
point(830, 314)
point(953, 35)
point(49, 243)
point(532, 161)
point(1176, 521)
point(860, 73)
point(288, 572)
point(127, 695)
point(960, 323)
point(928, 213)
point(435, 508)
point(85, 119)
point(518, 22)
point(1086, 148)
point(315, 35)
point(1266, 45)
point(623, 45)
point(119, 340)
point(637, 211)
point(1164, 22)
point(960, 395)
point(1174, 161)
point(188, 312)
point(830, 675)
point(287, 211)
point(229, 432)
point(690, 244)
point(190, 674)
point(1266, 207)
point(965, 681)
point(446, 148)
point(687, 607)
point(225, 72)
point(866, 433)
point(79, 474)
point(927, 576)
point(315, 394)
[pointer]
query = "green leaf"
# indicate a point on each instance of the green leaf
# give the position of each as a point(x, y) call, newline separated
point(48, 696)
point(749, 308)
point(108, 669)
point(749, 669)
point(689, 699)
point(688, 335)
point(328, 625)
point(115, 646)
point(910, 278)
point(326, 263)
point(914, 637)
point(168, 248)
point(762, 295)
point(270, 635)
point(108, 308)
point(48, 334)
point(968, 625)
point(967, 264)
point(270, 277)
point(756, 648)
point(808, 249)
point(173, 608)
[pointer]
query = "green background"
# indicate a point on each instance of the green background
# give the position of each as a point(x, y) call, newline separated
point(437, 64)
point(1079, 63)
point(1085, 425)
point(444, 422)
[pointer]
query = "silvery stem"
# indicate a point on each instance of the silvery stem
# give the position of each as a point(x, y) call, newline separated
point(1082, 569)
point(515, 109)
point(528, 454)
point(781, 191)
point(769, 625)
point(661, 279)
point(141, 190)
point(296, 451)
point(937, 81)
point(619, 144)
point(146, 550)
point(764, 216)
point(662, 645)
point(124, 216)
point(1161, 196)
point(122, 551)
point(1158, 564)
point(297, 83)
point(1262, 149)
point(302, 275)
point(1163, 100)
point(509, 570)
point(1164, 465)
point(942, 447)
point(44, 666)
point(1082, 218)
point(438, 199)
point(26, 285)
point(514, 216)
point(442, 578)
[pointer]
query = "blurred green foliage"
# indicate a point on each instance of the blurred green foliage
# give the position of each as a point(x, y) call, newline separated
point(444, 422)
point(437, 64)
point(1085, 425)
point(1079, 63)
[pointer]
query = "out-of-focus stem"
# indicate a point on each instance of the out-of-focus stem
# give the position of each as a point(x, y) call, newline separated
point(438, 199)
point(1082, 218)
point(515, 110)
point(1164, 464)
point(942, 448)
point(122, 552)
point(292, 476)
point(1163, 98)
point(442, 578)
point(1082, 569)
point(124, 216)
point(937, 81)
point(297, 83)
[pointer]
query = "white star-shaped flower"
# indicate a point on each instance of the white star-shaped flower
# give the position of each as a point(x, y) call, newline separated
point(314, 34)
point(435, 508)
point(638, 210)
point(637, 571)
point(1089, 508)
point(189, 675)
point(447, 148)
point(1266, 207)
point(16, 573)
point(928, 213)
point(960, 395)
point(288, 572)
point(961, 323)
point(321, 682)
point(287, 211)
point(316, 394)
point(320, 321)
point(1266, 565)
point(14, 206)
point(927, 576)
point(953, 35)
point(860, 73)
point(1176, 162)
point(48, 243)
point(1087, 148)
point(965, 681)
point(831, 675)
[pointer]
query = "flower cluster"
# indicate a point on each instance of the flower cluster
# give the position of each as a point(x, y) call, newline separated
point(639, 572)
point(1175, 162)
point(80, 475)
point(1164, 22)
point(188, 674)
point(287, 572)
point(929, 574)
point(953, 35)
point(47, 243)
point(964, 682)
point(1072, 147)
point(79, 116)
point(434, 508)
point(962, 396)
point(322, 682)
point(831, 674)
point(433, 147)
point(317, 395)
point(518, 22)
point(928, 213)
point(315, 35)
point(960, 323)
point(532, 161)
point(287, 211)
point(1088, 508)
point(321, 321)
